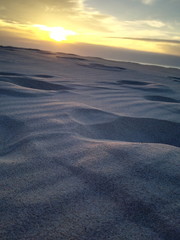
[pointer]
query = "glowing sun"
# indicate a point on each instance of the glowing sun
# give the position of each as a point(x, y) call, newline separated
point(60, 34)
point(56, 33)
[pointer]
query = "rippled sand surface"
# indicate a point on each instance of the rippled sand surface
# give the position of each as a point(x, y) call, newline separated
point(89, 148)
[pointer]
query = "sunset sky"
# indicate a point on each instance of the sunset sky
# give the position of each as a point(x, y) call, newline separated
point(142, 25)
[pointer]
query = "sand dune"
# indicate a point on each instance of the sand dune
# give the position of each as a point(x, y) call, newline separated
point(28, 82)
point(89, 148)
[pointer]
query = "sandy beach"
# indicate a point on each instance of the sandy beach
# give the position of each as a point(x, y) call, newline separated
point(89, 148)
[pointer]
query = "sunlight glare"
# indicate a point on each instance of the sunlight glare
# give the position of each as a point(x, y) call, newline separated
point(57, 33)
point(60, 34)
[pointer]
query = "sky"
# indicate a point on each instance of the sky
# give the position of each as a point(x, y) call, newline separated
point(143, 26)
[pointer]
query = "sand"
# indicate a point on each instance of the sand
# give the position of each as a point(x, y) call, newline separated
point(89, 148)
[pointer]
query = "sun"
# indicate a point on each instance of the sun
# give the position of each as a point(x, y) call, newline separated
point(56, 33)
point(60, 34)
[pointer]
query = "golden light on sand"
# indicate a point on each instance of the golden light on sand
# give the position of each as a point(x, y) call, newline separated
point(57, 33)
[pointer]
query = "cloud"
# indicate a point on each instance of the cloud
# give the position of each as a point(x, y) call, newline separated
point(155, 23)
point(151, 40)
point(40, 11)
point(9, 24)
point(148, 2)
point(173, 49)
point(2, 8)
point(73, 14)
point(151, 23)
point(90, 24)
point(165, 46)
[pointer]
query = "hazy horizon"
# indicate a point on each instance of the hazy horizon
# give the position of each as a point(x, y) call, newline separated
point(110, 53)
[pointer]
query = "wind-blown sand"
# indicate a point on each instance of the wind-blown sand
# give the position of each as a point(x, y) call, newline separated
point(89, 148)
